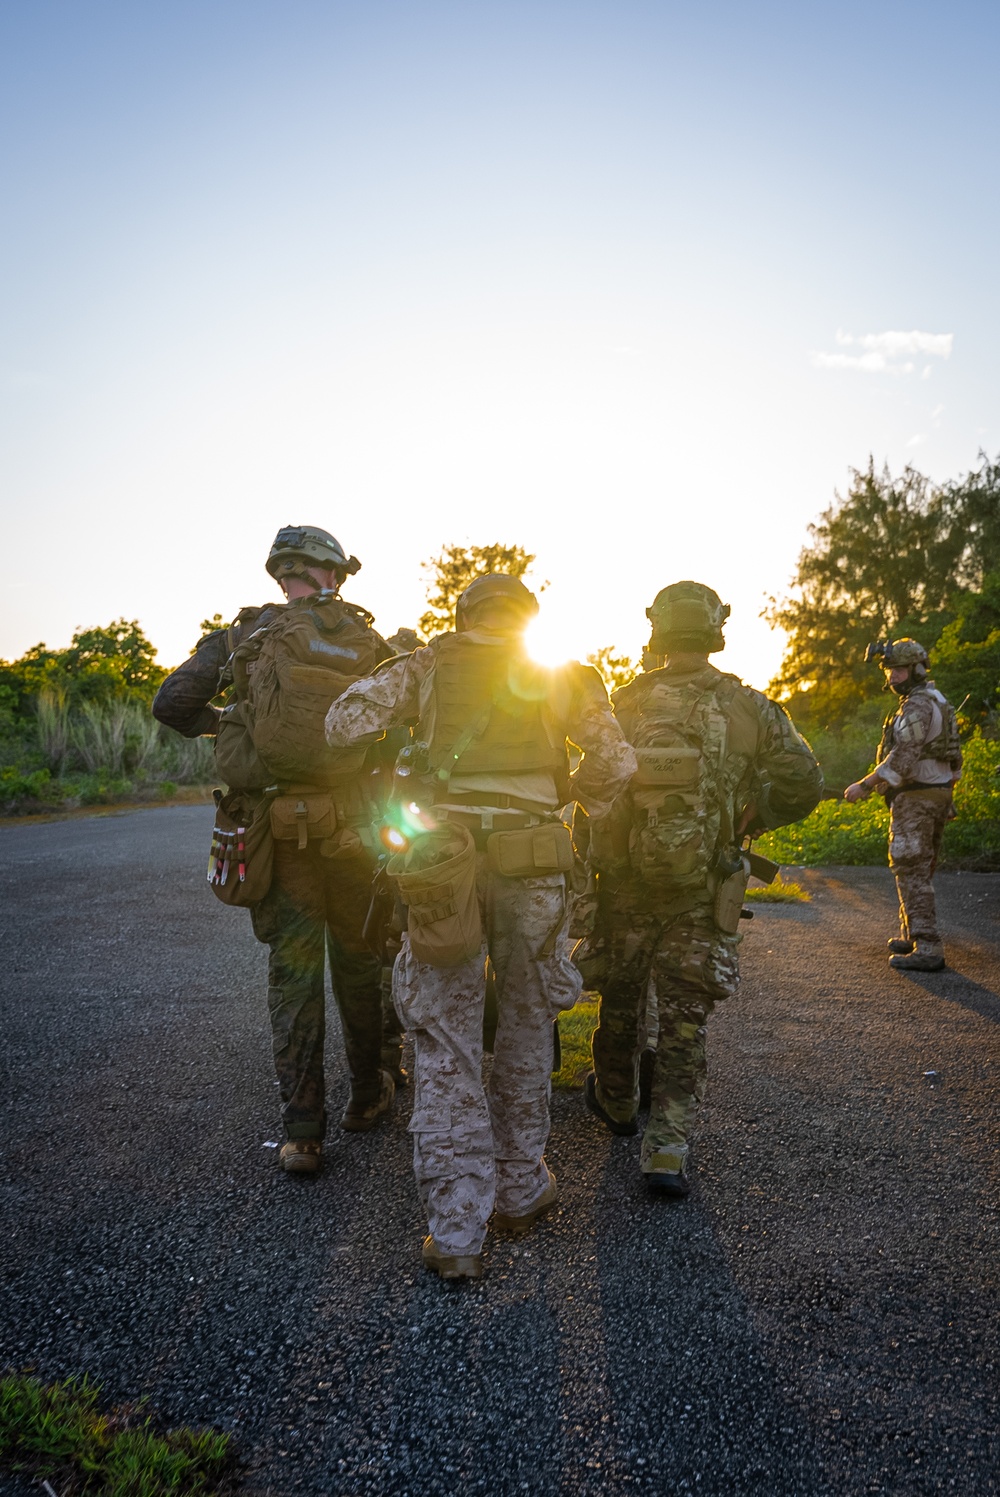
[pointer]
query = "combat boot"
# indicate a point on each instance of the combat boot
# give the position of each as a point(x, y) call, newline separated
point(899, 946)
point(359, 1117)
point(517, 1225)
point(667, 1175)
point(462, 1266)
point(301, 1156)
point(927, 956)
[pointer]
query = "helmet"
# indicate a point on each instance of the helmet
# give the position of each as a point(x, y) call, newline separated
point(893, 652)
point(686, 609)
point(491, 586)
point(297, 547)
point(900, 652)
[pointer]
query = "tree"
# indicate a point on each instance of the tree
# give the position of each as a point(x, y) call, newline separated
point(975, 502)
point(615, 670)
point(966, 663)
point(450, 573)
point(210, 626)
point(883, 561)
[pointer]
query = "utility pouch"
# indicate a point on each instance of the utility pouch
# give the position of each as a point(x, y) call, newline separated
point(242, 854)
point(678, 767)
point(532, 852)
point(729, 900)
point(305, 818)
point(436, 878)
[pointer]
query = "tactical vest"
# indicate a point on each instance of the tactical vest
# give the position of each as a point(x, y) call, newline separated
point(695, 736)
point(495, 711)
point(285, 677)
point(945, 746)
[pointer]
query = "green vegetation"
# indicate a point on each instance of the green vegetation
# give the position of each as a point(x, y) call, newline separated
point(57, 1430)
point(781, 891)
point(576, 1026)
point(76, 729)
point(839, 833)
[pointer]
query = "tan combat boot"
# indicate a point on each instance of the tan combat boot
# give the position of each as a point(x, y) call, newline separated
point(360, 1117)
point(301, 1156)
point(520, 1224)
point(464, 1266)
point(927, 956)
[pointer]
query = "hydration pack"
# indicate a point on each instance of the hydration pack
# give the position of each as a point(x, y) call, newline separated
point(678, 806)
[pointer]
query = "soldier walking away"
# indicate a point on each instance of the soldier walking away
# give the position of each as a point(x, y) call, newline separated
point(309, 819)
point(487, 773)
point(919, 761)
point(717, 764)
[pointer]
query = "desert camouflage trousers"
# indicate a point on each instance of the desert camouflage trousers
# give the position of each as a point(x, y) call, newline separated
point(659, 980)
point(917, 820)
point(475, 1148)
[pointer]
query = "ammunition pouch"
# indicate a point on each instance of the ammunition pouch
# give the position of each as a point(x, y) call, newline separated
point(241, 860)
point(531, 853)
point(311, 817)
point(436, 878)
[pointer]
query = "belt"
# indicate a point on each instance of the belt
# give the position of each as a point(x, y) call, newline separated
point(501, 801)
point(487, 821)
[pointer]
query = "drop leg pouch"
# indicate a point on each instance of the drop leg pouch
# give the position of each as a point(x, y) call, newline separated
point(436, 878)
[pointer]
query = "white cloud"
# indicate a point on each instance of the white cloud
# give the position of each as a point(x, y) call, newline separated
point(916, 440)
point(885, 353)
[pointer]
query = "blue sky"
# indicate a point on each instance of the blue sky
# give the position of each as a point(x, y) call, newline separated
point(612, 281)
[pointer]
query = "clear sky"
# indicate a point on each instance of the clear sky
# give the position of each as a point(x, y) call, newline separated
point(609, 280)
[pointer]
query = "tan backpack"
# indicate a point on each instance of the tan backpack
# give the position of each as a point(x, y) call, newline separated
point(286, 676)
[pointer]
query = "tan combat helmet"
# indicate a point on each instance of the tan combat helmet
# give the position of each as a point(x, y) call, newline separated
point(297, 547)
point(687, 615)
point(491, 587)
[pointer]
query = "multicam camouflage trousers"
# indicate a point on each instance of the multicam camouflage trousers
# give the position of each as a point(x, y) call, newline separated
point(673, 972)
point(474, 1149)
point(316, 909)
point(916, 823)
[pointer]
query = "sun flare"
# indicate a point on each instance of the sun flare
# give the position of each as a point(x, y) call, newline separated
point(546, 641)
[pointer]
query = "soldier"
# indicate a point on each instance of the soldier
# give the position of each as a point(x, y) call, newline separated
point(320, 888)
point(493, 729)
point(717, 761)
point(919, 761)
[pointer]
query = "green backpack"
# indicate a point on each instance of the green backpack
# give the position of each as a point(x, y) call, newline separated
point(286, 676)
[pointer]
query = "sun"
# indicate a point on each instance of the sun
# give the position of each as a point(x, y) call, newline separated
point(546, 642)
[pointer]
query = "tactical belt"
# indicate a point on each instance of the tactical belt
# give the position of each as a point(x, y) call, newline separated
point(485, 821)
point(502, 802)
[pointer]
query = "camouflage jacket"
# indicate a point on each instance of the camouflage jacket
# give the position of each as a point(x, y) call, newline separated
point(182, 702)
point(400, 693)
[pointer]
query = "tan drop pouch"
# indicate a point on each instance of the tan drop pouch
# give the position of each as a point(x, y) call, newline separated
point(729, 900)
point(436, 878)
point(241, 859)
point(531, 853)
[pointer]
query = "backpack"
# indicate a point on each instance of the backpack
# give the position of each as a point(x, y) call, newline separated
point(680, 812)
point(286, 675)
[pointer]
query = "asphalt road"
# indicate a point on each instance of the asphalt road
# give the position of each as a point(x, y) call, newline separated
point(819, 1317)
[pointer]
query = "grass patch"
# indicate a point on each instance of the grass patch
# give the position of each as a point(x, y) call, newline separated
point(576, 1025)
point(779, 892)
point(58, 1430)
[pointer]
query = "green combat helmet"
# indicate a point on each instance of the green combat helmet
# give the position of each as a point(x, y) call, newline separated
point(297, 547)
point(891, 653)
point(687, 615)
point(490, 587)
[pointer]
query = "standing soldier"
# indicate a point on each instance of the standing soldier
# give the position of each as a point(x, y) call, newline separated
point(282, 665)
point(492, 769)
point(919, 761)
point(717, 761)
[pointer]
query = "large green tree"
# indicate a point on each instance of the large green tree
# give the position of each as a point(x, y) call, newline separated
point(886, 559)
point(451, 571)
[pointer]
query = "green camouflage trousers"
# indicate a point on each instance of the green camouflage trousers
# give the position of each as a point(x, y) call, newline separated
point(662, 975)
point(915, 827)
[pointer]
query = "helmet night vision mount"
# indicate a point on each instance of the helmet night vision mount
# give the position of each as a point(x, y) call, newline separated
point(297, 547)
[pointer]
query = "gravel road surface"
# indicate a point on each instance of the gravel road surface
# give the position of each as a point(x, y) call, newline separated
point(819, 1317)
